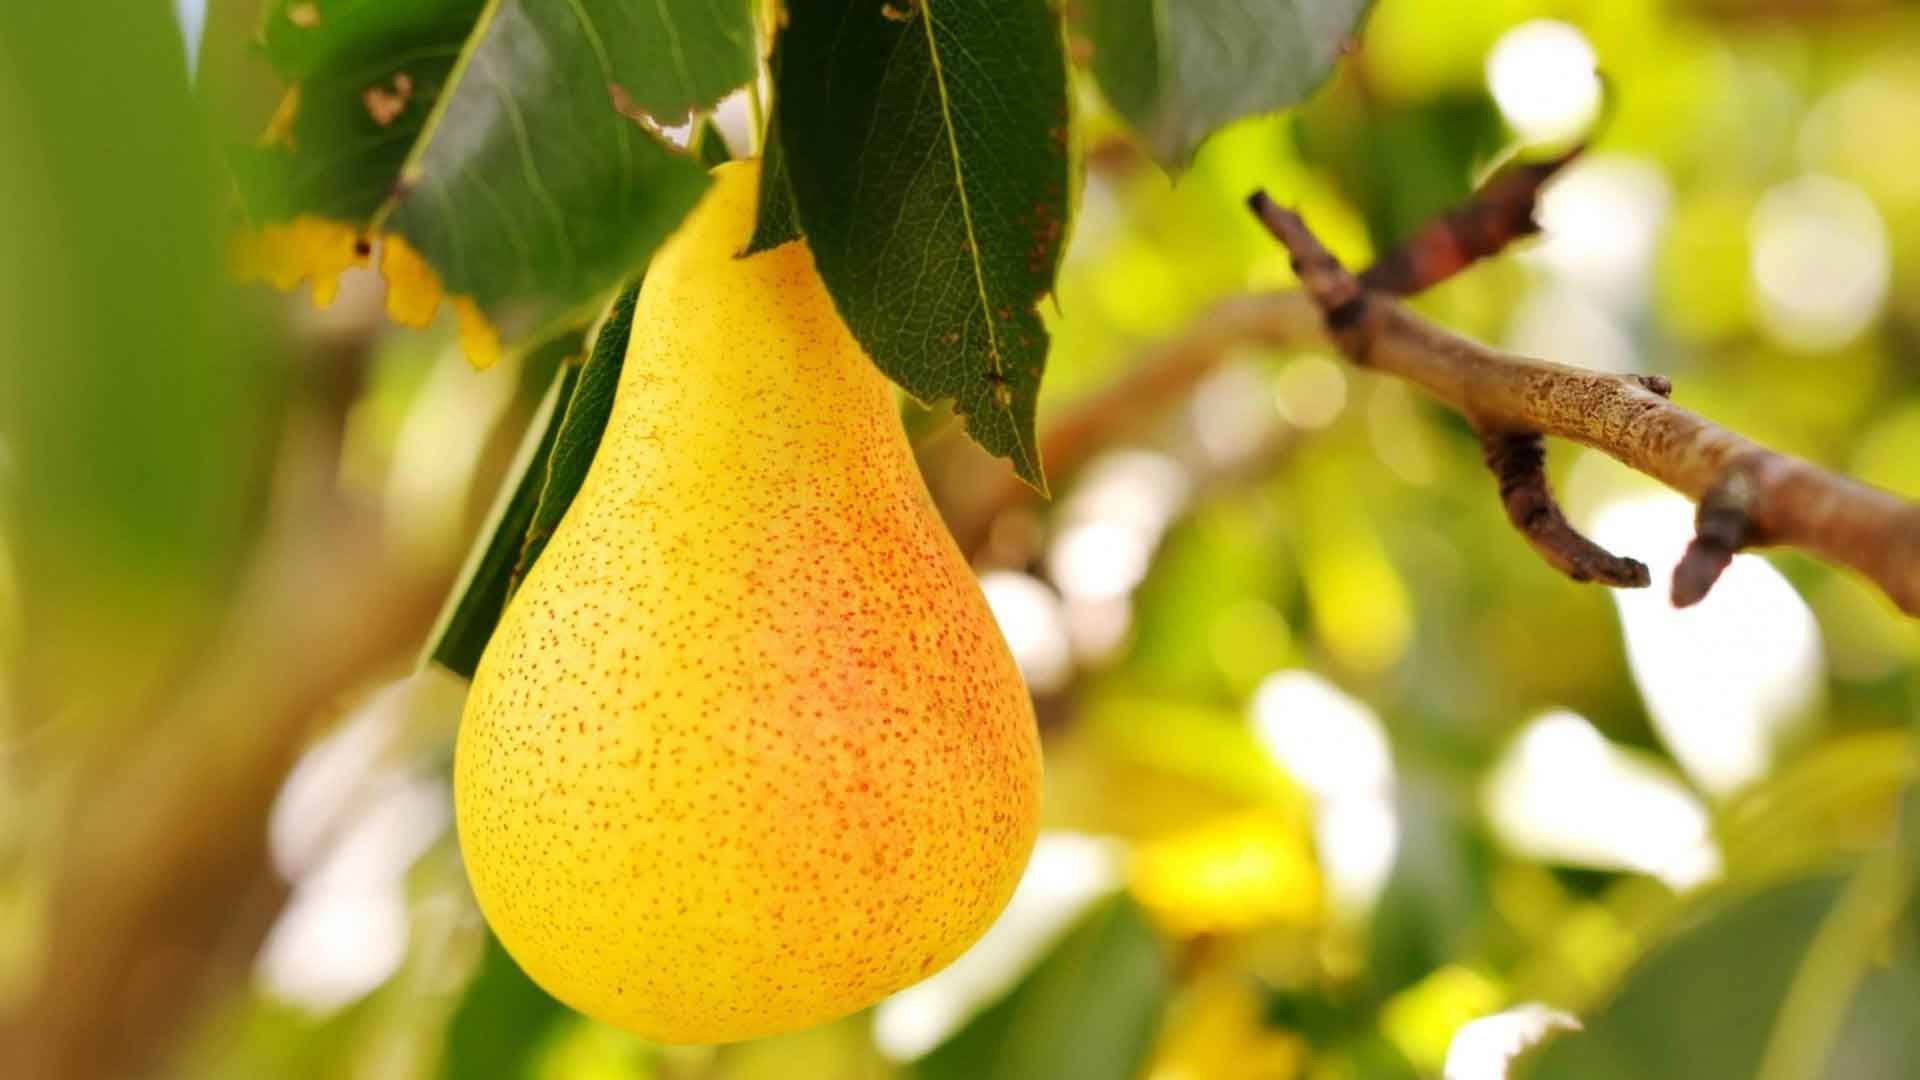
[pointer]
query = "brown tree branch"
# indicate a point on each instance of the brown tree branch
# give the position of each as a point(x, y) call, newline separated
point(1498, 214)
point(1519, 463)
point(1750, 496)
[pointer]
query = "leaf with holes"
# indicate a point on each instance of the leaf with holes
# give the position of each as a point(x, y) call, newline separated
point(540, 179)
point(1179, 70)
point(363, 77)
point(924, 144)
point(511, 149)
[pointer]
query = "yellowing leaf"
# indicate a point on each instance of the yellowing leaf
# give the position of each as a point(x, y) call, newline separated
point(478, 338)
point(414, 292)
point(1242, 873)
point(413, 289)
point(1221, 1033)
point(279, 131)
point(308, 248)
point(317, 249)
point(1422, 1018)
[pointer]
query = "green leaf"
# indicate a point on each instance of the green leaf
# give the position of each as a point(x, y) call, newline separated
point(711, 145)
point(138, 411)
point(502, 1019)
point(514, 145)
point(1179, 70)
point(773, 220)
point(577, 432)
point(305, 37)
point(925, 146)
point(538, 180)
point(1401, 164)
point(1702, 1003)
point(1436, 901)
point(480, 594)
point(365, 75)
point(1088, 1011)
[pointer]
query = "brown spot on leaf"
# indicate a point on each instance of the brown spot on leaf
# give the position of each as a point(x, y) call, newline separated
point(624, 104)
point(1002, 391)
point(304, 16)
point(385, 102)
point(902, 12)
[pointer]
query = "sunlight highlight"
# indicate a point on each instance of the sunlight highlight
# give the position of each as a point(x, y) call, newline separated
point(1104, 540)
point(1601, 220)
point(1543, 77)
point(1486, 1049)
point(1035, 628)
point(1728, 680)
point(1311, 391)
point(1821, 263)
point(1335, 748)
point(347, 826)
point(1562, 793)
point(1069, 871)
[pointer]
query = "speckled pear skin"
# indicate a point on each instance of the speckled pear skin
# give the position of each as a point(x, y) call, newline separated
point(747, 751)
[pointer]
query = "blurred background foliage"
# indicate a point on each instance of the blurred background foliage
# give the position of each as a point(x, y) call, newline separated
point(1342, 781)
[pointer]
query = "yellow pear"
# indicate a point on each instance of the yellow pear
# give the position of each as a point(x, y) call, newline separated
point(747, 751)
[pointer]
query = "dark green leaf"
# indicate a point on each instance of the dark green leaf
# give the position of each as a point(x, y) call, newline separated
point(539, 180)
point(1702, 1003)
point(306, 37)
point(365, 76)
point(1401, 164)
point(486, 581)
point(773, 221)
point(1088, 1011)
point(925, 146)
point(712, 145)
point(499, 1022)
point(1179, 70)
point(577, 431)
point(515, 145)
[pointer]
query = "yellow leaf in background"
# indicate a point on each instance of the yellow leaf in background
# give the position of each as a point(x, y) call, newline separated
point(279, 131)
point(1362, 611)
point(308, 248)
point(413, 289)
point(1220, 1033)
point(1422, 1018)
point(1246, 872)
point(478, 338)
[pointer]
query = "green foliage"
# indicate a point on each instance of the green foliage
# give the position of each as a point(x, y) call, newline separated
point(340, 157)
point(577, 429)
point(501, 1021)
point(519, 215)
point(486, 583)
point(1679, 1015)
point(145, 413)
point(925, 150)
point(1178, 70)
point(137, 414)
point(1087, 1011)
point(516, 146)
point(1401, 164)
point(555, 454)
